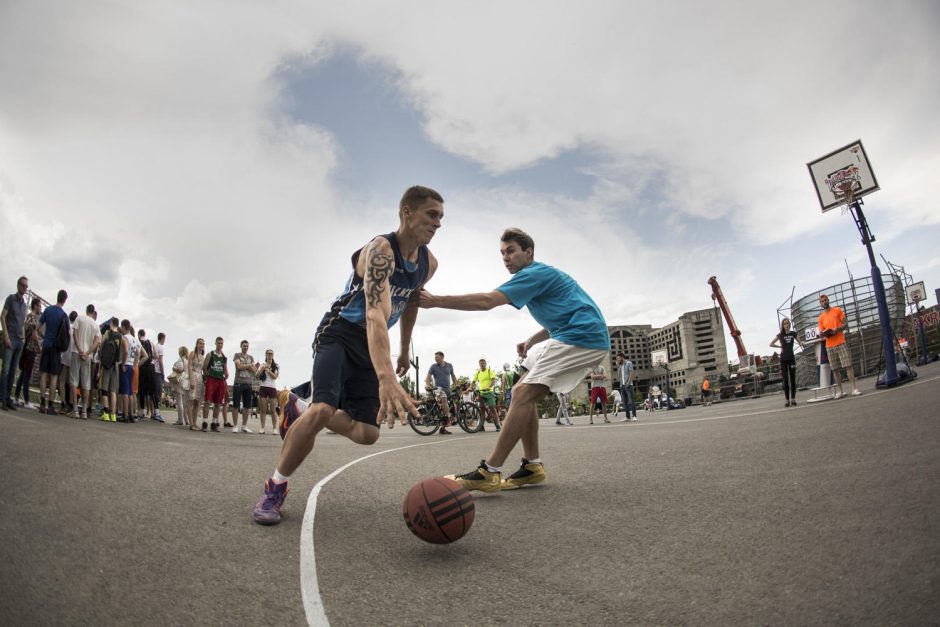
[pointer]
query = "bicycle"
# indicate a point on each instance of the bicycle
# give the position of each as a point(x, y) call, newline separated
point(486, 410)
point(431, 418)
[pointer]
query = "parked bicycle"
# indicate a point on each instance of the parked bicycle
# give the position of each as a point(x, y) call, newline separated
point(431, 418)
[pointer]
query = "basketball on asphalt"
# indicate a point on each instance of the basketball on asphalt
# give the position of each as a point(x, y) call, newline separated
point(438, 510)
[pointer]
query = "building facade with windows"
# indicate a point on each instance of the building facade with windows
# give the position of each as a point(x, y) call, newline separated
point(694, 344)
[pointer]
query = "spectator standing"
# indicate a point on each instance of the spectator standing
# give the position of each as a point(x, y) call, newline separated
point(146, 380)
point(86, 337)
point(267, 373)
point(562, 409)
point(13, 323)
point(215, 372)
point(158, 373)
point(784, 341)
point(196, 384)
point(831, 326)
point(506, 380)
point(182, 387)
point(245, 367)
point(598, 391)
point(627, 394)
point(50, 359)
point(132, 358)
point(66, 393)
point(31, 348)
point(706, 392)
point(111, 356)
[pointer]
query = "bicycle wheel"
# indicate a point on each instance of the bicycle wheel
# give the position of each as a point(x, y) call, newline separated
point(427, 422)
point(469, 417)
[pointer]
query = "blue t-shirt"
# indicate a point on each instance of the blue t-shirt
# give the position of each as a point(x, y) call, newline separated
point(52, 318)
point(559, 304)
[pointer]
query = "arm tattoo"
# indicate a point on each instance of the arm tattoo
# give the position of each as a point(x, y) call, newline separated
point(379, 270)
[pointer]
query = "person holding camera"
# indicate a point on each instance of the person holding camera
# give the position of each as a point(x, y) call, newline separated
point(267, 391)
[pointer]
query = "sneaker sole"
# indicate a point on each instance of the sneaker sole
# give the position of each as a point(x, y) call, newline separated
point(509, 484)
point(480, 488)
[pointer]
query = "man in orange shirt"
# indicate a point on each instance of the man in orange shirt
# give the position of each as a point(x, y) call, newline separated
point(706, 392)
point(831, 326)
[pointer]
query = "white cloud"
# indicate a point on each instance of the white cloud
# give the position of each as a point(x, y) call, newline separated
point(146, 165)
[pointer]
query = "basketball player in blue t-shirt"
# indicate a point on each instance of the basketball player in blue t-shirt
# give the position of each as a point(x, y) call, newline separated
point(573, 340)
point(354, 387)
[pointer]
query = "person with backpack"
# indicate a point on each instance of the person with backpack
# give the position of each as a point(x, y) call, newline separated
point(55, 330)
point(112, 354)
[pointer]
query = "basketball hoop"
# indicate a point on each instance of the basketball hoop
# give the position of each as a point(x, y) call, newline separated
point(845, 191)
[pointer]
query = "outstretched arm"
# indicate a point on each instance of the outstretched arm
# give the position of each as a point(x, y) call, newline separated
point(484, 301)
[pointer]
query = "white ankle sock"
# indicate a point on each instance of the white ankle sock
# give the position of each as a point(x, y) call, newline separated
point(494, 468)
point(278, 477)
point(537, 460)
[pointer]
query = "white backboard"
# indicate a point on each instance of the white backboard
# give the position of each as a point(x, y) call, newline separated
point(847, 164)
point(659, 358)
point(915, 293)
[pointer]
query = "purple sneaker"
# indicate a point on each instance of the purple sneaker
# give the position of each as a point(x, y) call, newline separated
point(291, 407)
point(267, 510)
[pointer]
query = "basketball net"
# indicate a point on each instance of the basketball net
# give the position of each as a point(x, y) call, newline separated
point(848, 195)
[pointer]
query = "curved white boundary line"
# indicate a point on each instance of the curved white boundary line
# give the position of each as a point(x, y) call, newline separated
point(309, 586)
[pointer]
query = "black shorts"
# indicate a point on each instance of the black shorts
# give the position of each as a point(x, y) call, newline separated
point(50, 361)
point(241, 396)
point(343, 376)
point(145, 383)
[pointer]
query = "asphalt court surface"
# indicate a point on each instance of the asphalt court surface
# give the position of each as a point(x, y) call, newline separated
point(738, 513)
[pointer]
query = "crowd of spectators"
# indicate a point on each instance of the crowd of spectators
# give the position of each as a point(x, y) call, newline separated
point(114, 372)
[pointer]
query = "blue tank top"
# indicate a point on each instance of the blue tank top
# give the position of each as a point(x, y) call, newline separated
point(350, 306)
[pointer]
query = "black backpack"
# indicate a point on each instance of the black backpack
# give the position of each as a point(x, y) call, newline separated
point(62, 336)
point(110, 349)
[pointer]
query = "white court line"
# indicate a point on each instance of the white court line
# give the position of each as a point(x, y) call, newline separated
point(309, 587)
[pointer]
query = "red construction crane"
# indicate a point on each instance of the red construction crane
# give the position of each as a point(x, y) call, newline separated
point(732, 327)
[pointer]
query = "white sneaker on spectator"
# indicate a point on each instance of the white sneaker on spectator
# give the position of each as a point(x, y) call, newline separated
point(625, 420)
point(29, 405)
point(19, 402)
point(856, 393)
point(246, 430)
point(633, 419)
point(837, 394)
point(236, 429)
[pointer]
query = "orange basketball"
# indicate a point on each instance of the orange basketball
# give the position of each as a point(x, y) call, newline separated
point(438, 510)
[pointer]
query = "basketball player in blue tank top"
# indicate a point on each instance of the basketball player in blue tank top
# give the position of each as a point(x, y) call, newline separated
point(354, 386)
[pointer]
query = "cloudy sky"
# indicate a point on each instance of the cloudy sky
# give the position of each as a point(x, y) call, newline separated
point(207, 168)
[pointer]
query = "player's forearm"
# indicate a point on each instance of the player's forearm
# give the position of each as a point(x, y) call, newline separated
point(540, 336)
point(379, 348)
point(483, 301)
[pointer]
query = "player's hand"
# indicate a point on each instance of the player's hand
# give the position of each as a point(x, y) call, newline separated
point(522, 349)
point(403, 364)
point(394, 401)
point(426, 299)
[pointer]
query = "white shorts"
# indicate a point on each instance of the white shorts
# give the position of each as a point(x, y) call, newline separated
point(559, 366)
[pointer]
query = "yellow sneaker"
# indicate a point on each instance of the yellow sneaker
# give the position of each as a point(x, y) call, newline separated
point(528, 474)
point(480, 479)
